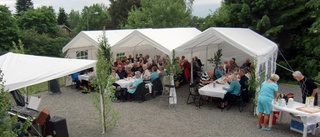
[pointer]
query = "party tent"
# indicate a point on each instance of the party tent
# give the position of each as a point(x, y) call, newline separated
point(21, 70)
point(159, 41)
point(86, 43)
point(239, 43)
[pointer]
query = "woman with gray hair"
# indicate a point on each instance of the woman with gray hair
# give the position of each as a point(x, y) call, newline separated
point(268, 92)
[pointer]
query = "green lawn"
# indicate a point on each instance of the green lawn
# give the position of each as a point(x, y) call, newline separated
point(40, 87)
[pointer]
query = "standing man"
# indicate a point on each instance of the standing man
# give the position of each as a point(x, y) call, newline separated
point(308, 87)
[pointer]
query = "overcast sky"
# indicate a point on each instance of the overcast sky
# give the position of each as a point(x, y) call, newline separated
point(200, 7)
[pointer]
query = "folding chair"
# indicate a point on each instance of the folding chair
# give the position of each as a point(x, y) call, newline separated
point(156, 87)
point(236, 100)
point(194, 94)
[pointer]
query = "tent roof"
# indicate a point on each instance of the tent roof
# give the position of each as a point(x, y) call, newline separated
point(21, 70)
point(113, 37)
point(244, 39)
point(164, 39)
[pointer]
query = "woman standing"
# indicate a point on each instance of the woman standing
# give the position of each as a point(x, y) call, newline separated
point(268, 92)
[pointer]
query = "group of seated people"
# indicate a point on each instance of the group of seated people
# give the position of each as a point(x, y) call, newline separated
point(146, 70)
point(83, 83)
point(233, 74)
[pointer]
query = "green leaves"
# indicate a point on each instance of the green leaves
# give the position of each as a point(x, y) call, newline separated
point(159, 14)
point(42, 19)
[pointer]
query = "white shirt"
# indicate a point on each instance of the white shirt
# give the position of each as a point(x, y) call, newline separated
point(146, 75)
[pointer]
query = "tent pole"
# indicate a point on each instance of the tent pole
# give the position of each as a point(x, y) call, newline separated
point(207, 58)
point(191, 66)
point(25, 97)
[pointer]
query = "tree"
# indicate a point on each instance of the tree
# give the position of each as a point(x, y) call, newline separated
point(7, 121)
point(159, 14)
point(73, 19)
point(8, 29)
point(284, 22)
point(119, 10)
point(23, 5)
point(104, 80)
point(42, 19)
point(94, 17)
point(42, 44)
point(62, 17)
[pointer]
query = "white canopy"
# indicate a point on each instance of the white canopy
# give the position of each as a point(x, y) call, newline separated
point(162, 39)
point(82, 39)
point(21, 70)
point(239, 43)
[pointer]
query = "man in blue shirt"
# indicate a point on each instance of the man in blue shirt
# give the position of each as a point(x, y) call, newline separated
point(75, 78)
point(219, 72)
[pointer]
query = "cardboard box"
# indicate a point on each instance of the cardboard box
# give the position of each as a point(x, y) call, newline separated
point(297, 125)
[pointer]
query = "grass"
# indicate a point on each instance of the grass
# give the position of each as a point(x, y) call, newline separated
point(40, 87)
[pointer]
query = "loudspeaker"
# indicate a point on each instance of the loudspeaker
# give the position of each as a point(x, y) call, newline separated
point(58, 126)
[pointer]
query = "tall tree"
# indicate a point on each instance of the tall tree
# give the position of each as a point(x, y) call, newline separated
point(94, 17)
point(62, 17)
point(8, 29)
point(42, 19)
point(73, 19)
point(284, 22)
point(159, 14)
point(23, 5)
point(119, 10)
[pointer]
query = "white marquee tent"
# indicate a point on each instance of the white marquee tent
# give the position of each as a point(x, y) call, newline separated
point(89, 41)
point(239, 43)
point(21, 70)
point(154, 41)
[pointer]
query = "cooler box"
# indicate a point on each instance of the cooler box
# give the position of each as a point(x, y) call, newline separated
point(275, 116)
point(297, 125)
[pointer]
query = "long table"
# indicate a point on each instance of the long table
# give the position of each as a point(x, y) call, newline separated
point(217, 91)
point(306, 118)
point(125, 83)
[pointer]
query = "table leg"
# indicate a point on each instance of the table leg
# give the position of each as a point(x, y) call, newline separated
point(280, 116)
point(314, 129)
point(305, 130)
point(270, 119)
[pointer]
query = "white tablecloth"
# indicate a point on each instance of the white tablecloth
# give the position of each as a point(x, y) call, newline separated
point(125, 83)
point(306, 118)
point(83, 77)
point(173, 99)
point(217, 91)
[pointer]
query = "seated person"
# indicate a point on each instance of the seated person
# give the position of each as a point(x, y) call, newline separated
point(115, 75)
point(219, 72)
point(129, 73)
point(75, 78)
point(154, 74)
point(246, 64)
point(206, 78)
point(134, 67)
point(135, 84)
point(146, 73)
point(244, 86)
point(234, 89)
point(122, 74)
point(162, 73)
